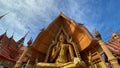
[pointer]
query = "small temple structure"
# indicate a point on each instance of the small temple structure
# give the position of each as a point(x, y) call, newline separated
point(10, 50)
point(114, 45)
point(64, 43)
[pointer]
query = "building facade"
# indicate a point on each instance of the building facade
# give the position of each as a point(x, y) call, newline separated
point(10, 50)
point(64, 43)
point(80, 46)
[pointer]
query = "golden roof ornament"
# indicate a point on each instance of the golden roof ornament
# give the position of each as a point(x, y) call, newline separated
point(97, 35)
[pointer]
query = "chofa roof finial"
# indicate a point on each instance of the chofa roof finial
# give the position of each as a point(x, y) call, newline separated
point(97, 35)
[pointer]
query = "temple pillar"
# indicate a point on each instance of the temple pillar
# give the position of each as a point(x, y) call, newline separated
point(110, 56)
point(90, 60)
point(19, 62)
point(26, 66)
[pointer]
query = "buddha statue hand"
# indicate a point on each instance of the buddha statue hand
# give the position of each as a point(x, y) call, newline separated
point(79, 63)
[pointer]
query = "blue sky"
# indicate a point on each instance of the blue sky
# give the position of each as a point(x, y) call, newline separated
point(33, 15)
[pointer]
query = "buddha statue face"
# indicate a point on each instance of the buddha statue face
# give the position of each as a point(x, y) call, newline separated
point(61, 37)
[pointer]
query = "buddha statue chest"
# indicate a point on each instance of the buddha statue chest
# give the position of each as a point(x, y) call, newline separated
point(62, 57)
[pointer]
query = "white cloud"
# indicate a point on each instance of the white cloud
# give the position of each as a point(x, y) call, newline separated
point(24, 15)
point(32, 15)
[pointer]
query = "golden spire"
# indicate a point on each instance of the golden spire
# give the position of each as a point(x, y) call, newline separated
point(4, 34)
point(23, 38)
point(10, 39)
point(97, 35)
point(12, 35)
point(30, 41)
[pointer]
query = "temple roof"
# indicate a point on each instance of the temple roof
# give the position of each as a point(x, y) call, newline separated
point(9, 48)
point(79, 33)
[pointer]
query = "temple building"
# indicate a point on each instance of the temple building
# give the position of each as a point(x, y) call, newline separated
point(10, 50)
point(64, 43)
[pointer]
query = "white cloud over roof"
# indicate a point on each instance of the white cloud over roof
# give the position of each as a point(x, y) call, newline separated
point(33, 15)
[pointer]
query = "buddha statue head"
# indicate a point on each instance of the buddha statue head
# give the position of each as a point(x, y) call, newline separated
point(61, 38)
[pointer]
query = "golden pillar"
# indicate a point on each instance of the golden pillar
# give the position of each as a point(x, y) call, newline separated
point(19, 62)
point(27, 63)
point(91, 60)
point(110, 56)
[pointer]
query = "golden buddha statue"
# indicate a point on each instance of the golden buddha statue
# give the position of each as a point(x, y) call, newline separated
point(62, 56)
